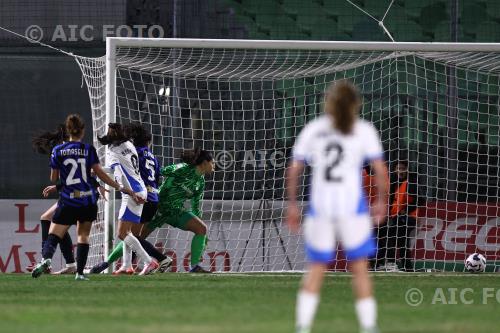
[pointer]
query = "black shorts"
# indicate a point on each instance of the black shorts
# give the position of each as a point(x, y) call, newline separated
point(148, 211)
point(67, 215)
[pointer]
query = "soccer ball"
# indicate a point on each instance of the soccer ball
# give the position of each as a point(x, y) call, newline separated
point(475, 263)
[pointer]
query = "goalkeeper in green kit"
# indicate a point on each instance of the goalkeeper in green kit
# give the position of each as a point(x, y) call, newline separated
point(181, 182)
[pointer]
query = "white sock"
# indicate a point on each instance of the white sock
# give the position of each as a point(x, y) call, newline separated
point(307, 303)
point(366, 310)
point(136, 246)
point(73, 264)
point(127, 256)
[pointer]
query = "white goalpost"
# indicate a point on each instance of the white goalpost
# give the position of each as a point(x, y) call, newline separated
point(436, 106)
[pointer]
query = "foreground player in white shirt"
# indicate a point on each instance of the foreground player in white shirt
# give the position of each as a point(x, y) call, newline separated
point(336, 145)
point(124, 161)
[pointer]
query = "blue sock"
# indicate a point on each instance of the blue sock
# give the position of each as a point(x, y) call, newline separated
point(82, 252)
point(66, 246)
point(50, 246)
point(45, 231)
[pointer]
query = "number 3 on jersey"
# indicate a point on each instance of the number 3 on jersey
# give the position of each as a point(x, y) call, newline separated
point(334, 154)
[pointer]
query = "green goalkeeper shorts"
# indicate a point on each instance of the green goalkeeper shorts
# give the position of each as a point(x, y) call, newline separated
point(178, 219)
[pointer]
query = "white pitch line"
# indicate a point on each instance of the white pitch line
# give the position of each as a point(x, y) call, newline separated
point(348, 275)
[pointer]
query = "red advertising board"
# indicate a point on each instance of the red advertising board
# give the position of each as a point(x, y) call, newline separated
point(450, 231)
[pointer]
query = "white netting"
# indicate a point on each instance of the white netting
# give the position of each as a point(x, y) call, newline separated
point(437, 110)
point(94, 71)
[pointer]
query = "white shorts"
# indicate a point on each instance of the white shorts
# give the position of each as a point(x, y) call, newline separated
point(130, 210)
point(322, 235)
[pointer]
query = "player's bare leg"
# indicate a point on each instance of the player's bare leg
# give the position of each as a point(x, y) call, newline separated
point(366, 307)
point(308, 297)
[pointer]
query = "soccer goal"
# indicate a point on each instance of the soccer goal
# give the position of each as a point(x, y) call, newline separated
point(436, 107)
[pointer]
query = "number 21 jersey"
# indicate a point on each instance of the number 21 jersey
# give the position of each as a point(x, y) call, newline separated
point(337, 160)
point(74, 161)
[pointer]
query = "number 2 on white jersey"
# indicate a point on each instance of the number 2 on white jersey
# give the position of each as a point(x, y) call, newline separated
point(71, 180)
point(334, 155)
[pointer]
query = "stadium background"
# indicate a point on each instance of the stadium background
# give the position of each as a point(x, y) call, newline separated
point(39, 87)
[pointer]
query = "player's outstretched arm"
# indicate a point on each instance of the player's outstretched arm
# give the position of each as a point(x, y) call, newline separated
point(169, 170)
point(294, 171)
point(379, 207)
point(99, 171)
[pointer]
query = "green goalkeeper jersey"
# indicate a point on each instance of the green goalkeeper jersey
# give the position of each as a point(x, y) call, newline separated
point(181, 182)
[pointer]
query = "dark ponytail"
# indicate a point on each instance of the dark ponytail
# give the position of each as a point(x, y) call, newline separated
point(196, 156)
point(43, 143)
point(115, 135)
point(343, 102)
point(139, 135)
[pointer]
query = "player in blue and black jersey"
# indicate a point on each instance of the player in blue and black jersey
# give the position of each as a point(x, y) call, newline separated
point(43, 143)
point(71, 164)
point(149, 167)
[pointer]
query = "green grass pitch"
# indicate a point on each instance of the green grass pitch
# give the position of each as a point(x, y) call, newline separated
point(237, 303)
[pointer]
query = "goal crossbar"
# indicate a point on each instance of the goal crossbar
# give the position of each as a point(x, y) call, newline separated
point(300, 45)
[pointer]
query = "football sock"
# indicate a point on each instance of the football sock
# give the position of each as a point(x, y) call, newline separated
point(307, 303)
point(197, 247)
point(66, 246)
point(82, 252)
point(127, 256)
point(366, 310)
point(116, 253)
point(134, 255)
point(49, 247)
point(151, 250)
point(45, 230)
point(134, 243)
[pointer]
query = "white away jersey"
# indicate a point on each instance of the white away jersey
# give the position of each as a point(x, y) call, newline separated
point(337, 160)
point(124, 161)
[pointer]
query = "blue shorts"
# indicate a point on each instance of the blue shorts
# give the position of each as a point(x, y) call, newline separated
point(322, 235)
point(130, 210)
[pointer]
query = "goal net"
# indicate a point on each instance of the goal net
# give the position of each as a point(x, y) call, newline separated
point(436, 108)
